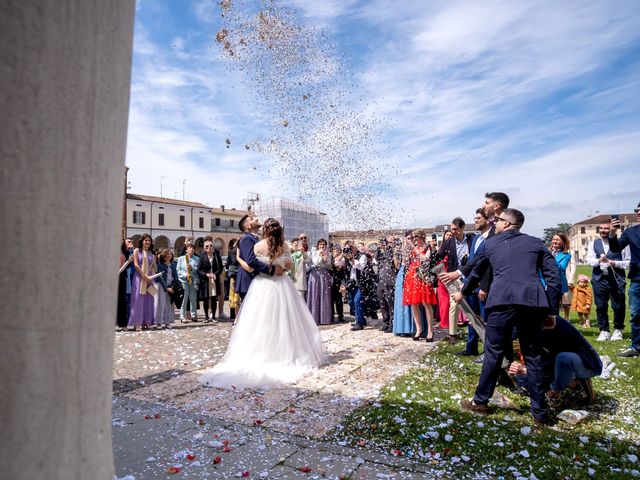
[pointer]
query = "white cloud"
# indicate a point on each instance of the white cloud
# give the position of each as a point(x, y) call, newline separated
point(461, 86)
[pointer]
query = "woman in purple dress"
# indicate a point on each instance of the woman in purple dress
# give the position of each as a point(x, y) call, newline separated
point(142, 289)
point(319, 294)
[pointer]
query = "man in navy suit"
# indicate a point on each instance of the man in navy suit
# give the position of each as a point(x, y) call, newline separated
point(250, 225)
point(631, 238)
point(517, 300)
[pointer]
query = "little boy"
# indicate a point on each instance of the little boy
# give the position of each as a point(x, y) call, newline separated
point(582, 298)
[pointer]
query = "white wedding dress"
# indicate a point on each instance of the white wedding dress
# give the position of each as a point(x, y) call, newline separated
point(275, 340)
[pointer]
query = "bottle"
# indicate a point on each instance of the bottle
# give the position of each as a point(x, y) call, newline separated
point(604, 266)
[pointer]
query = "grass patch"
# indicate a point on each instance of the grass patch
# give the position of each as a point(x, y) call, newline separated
point(418, 417)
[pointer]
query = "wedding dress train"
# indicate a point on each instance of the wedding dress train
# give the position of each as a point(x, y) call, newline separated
point(275, 340)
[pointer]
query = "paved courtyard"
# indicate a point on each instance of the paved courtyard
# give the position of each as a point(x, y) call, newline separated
point(165, 421)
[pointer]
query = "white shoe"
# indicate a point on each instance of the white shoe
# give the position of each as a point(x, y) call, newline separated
point(222, 316)
point(603, 337)
point(617, 335)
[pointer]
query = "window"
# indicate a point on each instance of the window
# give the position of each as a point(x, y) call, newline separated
point(217, 222)
point(161, 219)
point(232, 223)
point(597, 229)
point(583, 230)
point(182, 222)
point(584, 241)
point(201, 222)
point(139, 217)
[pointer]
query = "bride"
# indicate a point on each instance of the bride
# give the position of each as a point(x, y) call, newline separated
point(275, 339)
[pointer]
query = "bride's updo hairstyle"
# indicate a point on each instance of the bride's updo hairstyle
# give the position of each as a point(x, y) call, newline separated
point(273, 232)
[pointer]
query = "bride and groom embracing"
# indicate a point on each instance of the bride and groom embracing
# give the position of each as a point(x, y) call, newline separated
point(275, 340)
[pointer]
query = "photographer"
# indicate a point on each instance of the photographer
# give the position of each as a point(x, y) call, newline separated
point(567, 358)
point(354, 265)
point(386, 281)
point(338, 280)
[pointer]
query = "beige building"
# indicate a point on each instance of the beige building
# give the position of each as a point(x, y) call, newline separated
point(224, 227)
point(170, 222)
point(582, 233)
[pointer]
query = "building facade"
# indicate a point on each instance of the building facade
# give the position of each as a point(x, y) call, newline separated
point(171, 222)
point(582, 233)
point(295, 218)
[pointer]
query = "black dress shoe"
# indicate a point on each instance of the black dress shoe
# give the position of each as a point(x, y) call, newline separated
point(357, 327)
point(466, 353)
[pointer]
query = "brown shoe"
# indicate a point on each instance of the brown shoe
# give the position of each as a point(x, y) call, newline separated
point(473, 408)
point(588, 394)
point(542, 422)
point(452, 339)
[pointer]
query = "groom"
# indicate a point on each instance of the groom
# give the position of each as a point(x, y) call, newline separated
point(250, 226)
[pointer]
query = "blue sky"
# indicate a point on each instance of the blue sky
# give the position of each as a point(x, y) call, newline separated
point(443, 101)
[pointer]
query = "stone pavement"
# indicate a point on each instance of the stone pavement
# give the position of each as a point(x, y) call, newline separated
point(271, 433)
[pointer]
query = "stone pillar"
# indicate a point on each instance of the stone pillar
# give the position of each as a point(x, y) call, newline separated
point(65, 72)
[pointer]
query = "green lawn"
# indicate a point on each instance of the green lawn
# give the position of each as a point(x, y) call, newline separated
point(418, 416)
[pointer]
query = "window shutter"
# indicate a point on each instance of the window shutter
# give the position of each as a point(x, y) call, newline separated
point(134, 217)
point(143, 218)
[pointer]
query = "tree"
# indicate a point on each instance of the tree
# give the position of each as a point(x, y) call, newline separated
point(551, 231)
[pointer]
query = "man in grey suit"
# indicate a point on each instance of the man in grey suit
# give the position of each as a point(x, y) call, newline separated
point(517, 300)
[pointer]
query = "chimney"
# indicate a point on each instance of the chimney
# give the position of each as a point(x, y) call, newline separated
point(222, 207)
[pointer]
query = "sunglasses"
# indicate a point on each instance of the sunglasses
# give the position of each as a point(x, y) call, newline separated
point(499, 219)
point(303, 238)
point(636, 210)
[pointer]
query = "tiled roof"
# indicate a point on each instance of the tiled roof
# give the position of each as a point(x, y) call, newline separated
point(229, 211)
point(604, 218)
point(172, 201)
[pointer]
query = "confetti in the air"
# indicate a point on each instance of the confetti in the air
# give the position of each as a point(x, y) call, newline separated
point(322, 141)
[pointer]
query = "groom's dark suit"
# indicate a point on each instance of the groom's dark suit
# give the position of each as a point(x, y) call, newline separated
point(243, 279)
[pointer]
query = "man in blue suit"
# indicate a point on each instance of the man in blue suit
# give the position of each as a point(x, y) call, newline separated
point(631, 238)
point(517, 300)
point(250, 225)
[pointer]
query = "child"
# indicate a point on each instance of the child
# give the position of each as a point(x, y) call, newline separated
point(582, 298)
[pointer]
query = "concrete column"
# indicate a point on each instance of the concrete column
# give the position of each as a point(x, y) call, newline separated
point(65, 68)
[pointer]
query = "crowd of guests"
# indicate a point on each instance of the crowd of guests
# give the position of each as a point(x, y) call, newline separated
point(517, 286)
point(152, 284)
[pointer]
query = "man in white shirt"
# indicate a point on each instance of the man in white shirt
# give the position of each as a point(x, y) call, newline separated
point(608, 281)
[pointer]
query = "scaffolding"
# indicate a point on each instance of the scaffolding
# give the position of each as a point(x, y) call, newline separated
point(296, 218)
